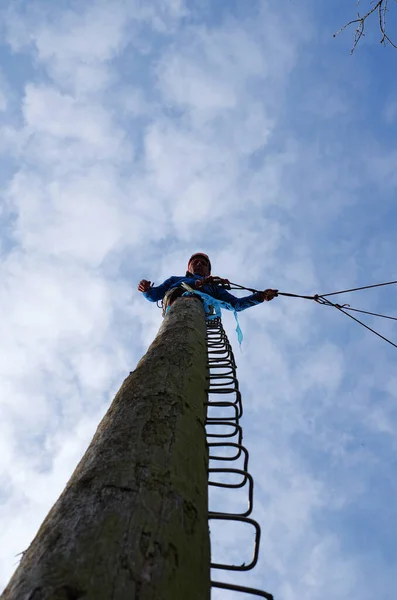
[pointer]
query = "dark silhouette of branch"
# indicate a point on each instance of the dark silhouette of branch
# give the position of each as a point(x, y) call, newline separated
point(379, 7)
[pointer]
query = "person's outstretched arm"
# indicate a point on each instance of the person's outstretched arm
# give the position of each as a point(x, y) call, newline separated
point(246, 301)
point(155, 293)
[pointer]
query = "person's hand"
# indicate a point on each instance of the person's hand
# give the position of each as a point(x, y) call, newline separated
point(144, 285)
point(267, 295)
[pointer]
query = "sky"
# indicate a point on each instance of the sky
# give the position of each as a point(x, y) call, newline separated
point(134, 134)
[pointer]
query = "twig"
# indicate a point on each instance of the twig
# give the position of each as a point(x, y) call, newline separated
point(381, 7)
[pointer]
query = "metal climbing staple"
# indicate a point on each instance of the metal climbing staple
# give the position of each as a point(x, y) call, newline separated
point(224, 439)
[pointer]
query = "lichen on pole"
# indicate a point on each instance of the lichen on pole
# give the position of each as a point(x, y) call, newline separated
point(131, 523)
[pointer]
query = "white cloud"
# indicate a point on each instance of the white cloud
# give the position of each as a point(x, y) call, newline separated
point(67, 117)
point(146, 134)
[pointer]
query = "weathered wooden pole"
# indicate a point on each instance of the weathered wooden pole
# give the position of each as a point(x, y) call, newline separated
point(131, 523)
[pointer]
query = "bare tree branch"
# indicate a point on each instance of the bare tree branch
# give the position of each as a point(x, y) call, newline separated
point(379, 7)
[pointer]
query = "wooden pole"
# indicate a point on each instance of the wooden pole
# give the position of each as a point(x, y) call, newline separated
point(131, 523)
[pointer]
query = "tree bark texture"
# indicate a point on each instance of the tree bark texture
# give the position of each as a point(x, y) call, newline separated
point(131, 523)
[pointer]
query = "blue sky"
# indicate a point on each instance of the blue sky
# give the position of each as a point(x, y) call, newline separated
point(137, 133)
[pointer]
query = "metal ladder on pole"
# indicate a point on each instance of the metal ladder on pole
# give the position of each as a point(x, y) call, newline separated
point(224, 440)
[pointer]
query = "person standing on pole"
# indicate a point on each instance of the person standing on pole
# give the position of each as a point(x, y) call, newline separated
point(198, 276)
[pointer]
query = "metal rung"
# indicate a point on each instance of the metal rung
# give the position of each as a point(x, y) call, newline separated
point(255, 524)
point(246, 477)
point(241, 588)
point(230, 445)
point(236, 430)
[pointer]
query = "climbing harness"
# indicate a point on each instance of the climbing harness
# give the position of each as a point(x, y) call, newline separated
point(212, 306)
point(170, 297)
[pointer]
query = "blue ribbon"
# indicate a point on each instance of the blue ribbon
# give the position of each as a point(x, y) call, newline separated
point(212, 307)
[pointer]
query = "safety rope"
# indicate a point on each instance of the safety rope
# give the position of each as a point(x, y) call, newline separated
point(322, 299)
point(340, 308)
point(366, 312)
point(236, 286)
point(319, 298)
point(365, 287)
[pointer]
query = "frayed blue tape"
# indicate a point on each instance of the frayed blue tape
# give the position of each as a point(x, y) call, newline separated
point(212, 307)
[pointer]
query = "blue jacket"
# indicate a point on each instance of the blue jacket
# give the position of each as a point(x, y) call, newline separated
point(157, 292)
